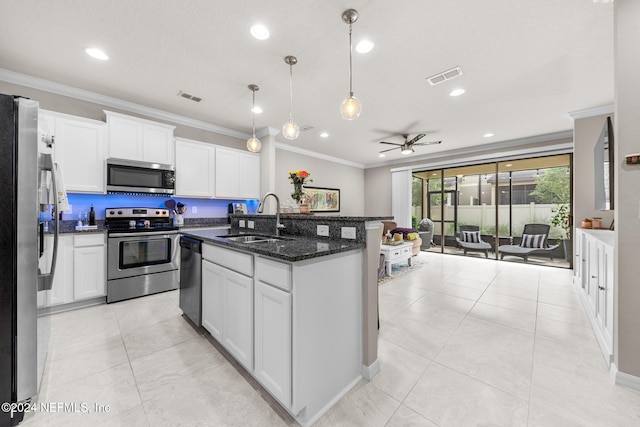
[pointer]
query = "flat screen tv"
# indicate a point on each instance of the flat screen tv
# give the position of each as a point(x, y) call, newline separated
point(604, 167)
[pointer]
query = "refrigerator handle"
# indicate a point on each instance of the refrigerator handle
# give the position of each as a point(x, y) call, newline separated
point(54, 258)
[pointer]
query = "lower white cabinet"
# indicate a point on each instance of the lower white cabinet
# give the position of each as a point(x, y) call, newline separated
point(227, 310)
point(89, 278)
point(593, 274)
point(273, 340)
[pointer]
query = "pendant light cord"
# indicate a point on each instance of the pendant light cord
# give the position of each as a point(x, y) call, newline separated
point(350, 64)
point(253, 113)
point(290, 93)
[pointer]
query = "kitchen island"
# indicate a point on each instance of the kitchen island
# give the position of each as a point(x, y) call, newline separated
point(291, 310)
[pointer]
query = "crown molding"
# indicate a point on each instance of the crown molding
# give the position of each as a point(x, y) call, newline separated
point(108, 101)
point(321, 156)
point(591, 112)
point(481, 149)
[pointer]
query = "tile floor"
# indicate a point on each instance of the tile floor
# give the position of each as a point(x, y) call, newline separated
point(463, 342)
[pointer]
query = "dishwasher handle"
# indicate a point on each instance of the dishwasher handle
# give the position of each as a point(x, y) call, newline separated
point(194, 245)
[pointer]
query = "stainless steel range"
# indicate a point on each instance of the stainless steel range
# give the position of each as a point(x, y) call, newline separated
point(142, 252)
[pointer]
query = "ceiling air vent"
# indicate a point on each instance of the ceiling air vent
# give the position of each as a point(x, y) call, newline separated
point(188, 96)
point(305, 128)
point(444, 76)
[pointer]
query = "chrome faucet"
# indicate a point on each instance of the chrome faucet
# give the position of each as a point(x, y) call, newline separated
point(261, 209)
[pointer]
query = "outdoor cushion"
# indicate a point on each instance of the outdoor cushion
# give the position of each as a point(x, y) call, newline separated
point(471, 236)
point(534, 241)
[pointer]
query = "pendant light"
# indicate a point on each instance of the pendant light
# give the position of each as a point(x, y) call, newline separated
point(351, 106)
point(253, 143)
point(290, 129)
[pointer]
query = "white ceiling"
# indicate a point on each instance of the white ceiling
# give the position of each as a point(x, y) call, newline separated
point(526, 63)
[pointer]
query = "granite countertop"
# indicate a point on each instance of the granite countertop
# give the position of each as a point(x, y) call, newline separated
point(291, 248)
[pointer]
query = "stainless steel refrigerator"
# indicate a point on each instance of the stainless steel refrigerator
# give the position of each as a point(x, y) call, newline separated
point(28, 251)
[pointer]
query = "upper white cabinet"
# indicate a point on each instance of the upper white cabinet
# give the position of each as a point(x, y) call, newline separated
point(133, 138)
point(594, 277)
point(237, 174)
point(205, 170)
point(195, 168)
point(78, 150)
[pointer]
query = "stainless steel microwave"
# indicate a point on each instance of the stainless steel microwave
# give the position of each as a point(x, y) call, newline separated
point(140, 177)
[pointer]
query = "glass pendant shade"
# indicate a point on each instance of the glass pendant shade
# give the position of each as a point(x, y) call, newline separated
point(254, 144)
point(350, 108)
point(290, 129)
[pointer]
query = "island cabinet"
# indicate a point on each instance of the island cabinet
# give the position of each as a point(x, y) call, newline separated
point(227, 300)
point(306, 322)
point(133, 138)
point(78, 150)
point(593, 275)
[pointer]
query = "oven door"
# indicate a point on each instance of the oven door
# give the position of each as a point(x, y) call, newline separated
point(136, 254)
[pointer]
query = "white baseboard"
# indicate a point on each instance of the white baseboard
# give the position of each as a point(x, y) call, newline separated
point(623, 379)
point(368, 372)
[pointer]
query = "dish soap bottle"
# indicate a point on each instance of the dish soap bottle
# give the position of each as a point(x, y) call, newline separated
point(92, 216)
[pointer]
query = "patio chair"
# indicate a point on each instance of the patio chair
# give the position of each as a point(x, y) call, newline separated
point(470, 240)
point(534, 240)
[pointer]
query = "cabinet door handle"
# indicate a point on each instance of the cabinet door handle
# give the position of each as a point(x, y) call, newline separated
point(601, 288)
point(594, 277)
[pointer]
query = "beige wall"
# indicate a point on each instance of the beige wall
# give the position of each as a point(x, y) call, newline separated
point(627, 197)
point(63, 104)
point(349, 179)
point(585, 135)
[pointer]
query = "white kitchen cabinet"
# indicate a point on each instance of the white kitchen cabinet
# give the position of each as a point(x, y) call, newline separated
point(273, 340)
point(62, 288)
point(594, 278)
point(227, 309)
point(195, 169)
point(78, 150)
point(89, 275)
point(132, 138)
point(212, 307)
point(237, 174)
point(249, 176)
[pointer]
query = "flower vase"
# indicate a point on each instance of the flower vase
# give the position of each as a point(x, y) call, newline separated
point(304, 208)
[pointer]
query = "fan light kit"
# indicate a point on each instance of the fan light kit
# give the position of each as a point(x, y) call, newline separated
point(253, 143)
point(407, 147)
point(290, 129)
point(351, 106)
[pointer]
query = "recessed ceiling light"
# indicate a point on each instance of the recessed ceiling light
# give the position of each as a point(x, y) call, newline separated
point(434, 174)
point(508, 165)
point(256, 110)
point(96, 53)
point(487, 135)
point(324, 135)
point(365, 46)
point(260, 32)
point(381, 155)
point(456, 92)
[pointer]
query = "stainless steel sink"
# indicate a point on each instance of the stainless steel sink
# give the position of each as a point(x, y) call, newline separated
point(248, 238)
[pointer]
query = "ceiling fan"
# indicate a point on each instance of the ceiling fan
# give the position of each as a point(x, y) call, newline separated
point(407, 147)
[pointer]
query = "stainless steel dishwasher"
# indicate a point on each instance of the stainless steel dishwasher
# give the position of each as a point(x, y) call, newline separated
point(191, 279)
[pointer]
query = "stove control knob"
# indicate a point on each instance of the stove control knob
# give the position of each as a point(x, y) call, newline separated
point(119, 212)
point(157, 212)
point(111, 212)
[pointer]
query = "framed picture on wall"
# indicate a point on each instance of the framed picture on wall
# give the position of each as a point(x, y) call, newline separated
point(323, 199)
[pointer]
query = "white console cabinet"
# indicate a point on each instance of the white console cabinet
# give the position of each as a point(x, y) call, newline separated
point(593, 275)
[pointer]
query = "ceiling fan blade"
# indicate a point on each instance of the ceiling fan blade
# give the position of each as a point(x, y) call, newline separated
point(390, 143)
point(384, 151)
point(416, 138)
point(428, 143)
